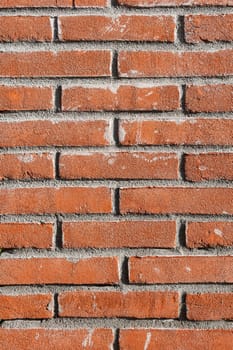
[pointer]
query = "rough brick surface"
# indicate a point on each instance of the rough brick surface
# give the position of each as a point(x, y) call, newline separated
point(121, 28)
point(209, 234)
point(113, 234)
point(116, 174)
point(124, 98)
point(26, 235)
point(117, 304)
point(99, 270)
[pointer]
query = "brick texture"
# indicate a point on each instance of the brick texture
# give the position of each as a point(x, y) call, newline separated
point(116, 174)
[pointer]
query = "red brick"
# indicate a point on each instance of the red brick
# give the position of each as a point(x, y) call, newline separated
point(135, 64)
point(91, 3)
point(180, 200)
point(26, 306)
point(122, 28)
point(55, 64)
point(119, 234)
point(171, 3)
point(43, 200)
point(171, 339)
point(35, 3)
point(26, 235)
point(59, 339)
point(117, 304)
point(124, 98)
point(54, 133)
point(209, 234)
point(24, 98)
point(167, 132)
point(120, 165)
point(181, 269)
point(207, 28)
point(209, 306)
point(25, 28)
point(209, 98)
point(97, 270)
point(209, 166)
point(26, 166)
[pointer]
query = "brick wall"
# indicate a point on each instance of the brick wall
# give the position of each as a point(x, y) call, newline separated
point(116, 168)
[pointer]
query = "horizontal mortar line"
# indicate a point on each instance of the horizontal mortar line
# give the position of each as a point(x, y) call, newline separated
point(71, 150)
point(178, 116)
point(187, 288)
point(76, 254)
point(110, 82)
point(114, 183)
point(120, 44)
point(110, 217)
point(118, 10)
point(75, 323)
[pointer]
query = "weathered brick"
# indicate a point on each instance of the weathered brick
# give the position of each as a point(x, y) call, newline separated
point(209, 306)
point(209, 234)
point(59, 339)
point(135, 64)
point(35, 3)
point(118, 234)
point(27, 166)
point(180, 200)
point(54, 133)
point(26, 235)
point(208, 28)
point(209, 166)
point(97, 270)
point(120, 28)
point(55, 64)
point(170, 339)
point(145, 304)
point(121, 165)
point(168, 132)
point(124, 98)
point(181, 269)
point(55, 200)
point(91, 3)
point(34, 306)
point(22, 98)
point(171, 3)
point(209, 98)
point(25, 28)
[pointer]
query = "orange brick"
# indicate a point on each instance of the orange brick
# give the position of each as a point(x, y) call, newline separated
point(209, 306)
point(170, 339)
point(58, 133)
point(26, 306)
point(24, 98)
point(25, 28)
point(35, 3)
point(58, 64)
point(55, 200)
point(167, 132)
point(27, 166)
point(209, 234)
point(124, 98)
point(59, 339)
point(209, 166)
point(118, 234)
point(181, 269)
point(121, 28)
point(26, 235)
point(209, 98)
point(97, 270)
point(180, 200)
point(135, 64)
point(120, 165)
point(208, 28)
point(171, 3)
point(117, 304)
